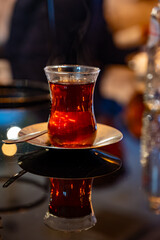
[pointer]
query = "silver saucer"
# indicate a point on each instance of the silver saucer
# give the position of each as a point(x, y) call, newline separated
point(106, 135)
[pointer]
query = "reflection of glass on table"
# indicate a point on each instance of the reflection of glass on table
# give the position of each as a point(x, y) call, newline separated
point(70, 207)
point(71, 174)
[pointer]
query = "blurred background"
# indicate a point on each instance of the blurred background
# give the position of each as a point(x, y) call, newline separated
point(108, 34)
point(33, 35)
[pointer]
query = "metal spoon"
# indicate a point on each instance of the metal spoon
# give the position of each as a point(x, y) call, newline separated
point(25, 138)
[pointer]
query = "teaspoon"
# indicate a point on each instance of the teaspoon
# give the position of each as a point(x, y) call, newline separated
point(25, 138)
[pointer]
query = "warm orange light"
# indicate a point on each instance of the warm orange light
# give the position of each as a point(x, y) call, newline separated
point(9, 150)
point(57, 193)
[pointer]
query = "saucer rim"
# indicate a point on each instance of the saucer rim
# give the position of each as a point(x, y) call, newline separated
point(110, 141)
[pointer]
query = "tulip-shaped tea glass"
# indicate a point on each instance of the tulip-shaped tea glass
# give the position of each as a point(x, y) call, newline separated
point(70, 207)
point(72, 122)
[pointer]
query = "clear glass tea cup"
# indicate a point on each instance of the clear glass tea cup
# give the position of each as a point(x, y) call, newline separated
point(72, 122)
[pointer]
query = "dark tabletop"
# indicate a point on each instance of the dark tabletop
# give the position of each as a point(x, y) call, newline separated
point(119, 201)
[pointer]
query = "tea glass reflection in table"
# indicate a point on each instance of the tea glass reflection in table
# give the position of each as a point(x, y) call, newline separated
point(70, 207)
point(71, 173)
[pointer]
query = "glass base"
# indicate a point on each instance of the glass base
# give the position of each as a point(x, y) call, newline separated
point(69, 224)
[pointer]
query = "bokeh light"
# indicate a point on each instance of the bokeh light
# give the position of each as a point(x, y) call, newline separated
point(12, 132)
point(9, 149)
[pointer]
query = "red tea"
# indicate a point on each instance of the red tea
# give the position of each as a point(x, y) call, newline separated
point(72, 122)
point(70, 198)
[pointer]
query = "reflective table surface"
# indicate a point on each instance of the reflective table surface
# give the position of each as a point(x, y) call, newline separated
point(119, 201)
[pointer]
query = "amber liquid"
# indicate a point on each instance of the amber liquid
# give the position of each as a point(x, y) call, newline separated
point(70, 198)
point(72, 122)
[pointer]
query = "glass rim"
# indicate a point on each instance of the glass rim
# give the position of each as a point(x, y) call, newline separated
point(54, 69)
